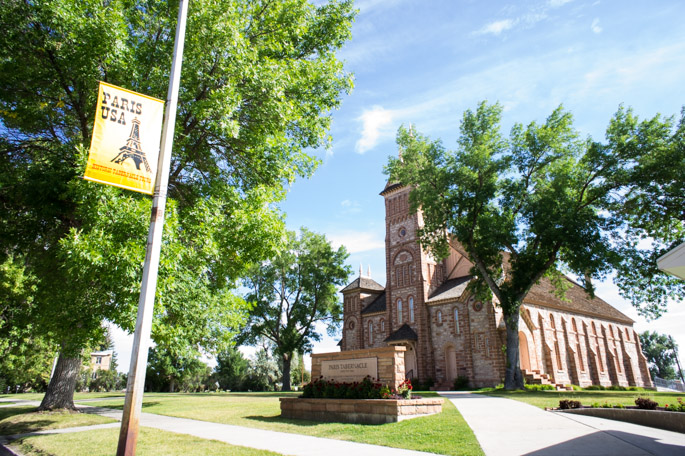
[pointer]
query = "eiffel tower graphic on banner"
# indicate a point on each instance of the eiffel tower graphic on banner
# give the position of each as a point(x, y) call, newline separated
point(132, 149)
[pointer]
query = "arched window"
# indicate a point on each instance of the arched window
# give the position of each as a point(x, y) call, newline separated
point(399, 311)
point(439, 317)
point(370, 332)
point(456, 320)
point(411, 309)
point(383, 326)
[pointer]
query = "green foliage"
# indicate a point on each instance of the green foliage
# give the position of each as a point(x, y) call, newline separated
point(645, 403)
point(231, 369)
point(660, 351)
point(566, 404)
point(292, 292)
point(263, 374)
point(169, 372)
point(650, 208)
point(461, 383)
point(540, 387)
point(365, 389)
point(679, 406)
point(259, 83)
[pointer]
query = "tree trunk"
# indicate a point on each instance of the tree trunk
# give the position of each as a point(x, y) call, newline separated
point(172, 385)
point(60, 392)
point(513, 379)
point(287, 358)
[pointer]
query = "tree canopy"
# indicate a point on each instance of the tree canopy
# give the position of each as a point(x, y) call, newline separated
point(259, 80)
point(661, 352)
point(293, 292)
point(538, 204)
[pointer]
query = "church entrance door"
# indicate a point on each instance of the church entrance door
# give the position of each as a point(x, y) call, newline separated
point(451, 364)
point(410, 369)
point(524, 356)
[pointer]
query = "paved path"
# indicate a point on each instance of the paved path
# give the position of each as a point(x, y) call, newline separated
point(507, 427)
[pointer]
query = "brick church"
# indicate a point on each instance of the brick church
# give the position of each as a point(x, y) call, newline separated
point(426, 307)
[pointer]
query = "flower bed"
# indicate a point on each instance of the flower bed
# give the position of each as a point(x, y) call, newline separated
point(365, 389)
point(360, 411)
point(646, 413)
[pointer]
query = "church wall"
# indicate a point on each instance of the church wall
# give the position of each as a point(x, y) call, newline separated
point(582, 350)
point(476, 343)
point(379, 331)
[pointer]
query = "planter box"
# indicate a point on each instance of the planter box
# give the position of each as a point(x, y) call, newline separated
point(670, 421)
point(361, 411)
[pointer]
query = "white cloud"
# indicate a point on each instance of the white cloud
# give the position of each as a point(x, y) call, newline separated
point(376, 123)
point(351, 207)
point(558, 3)
point(595, 26)
point(357, 241)
point(497, 27)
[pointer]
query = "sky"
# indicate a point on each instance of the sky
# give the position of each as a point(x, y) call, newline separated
point(425, 63)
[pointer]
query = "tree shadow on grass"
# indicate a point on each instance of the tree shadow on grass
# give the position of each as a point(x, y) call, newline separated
point(7, 412)
point(278, 419)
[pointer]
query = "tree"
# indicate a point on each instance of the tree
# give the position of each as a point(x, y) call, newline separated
point(652, 206)
point(293, 292)
point(661, 353)
point(263, 373)
point(260, 79)
point(521, 210)
point(168, 372)
point(231, 369)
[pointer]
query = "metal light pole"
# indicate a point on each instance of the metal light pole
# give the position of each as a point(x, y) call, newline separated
point(128, 435)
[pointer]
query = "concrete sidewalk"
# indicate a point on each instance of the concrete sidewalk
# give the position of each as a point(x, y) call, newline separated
point(279, 442)
point(507, 427)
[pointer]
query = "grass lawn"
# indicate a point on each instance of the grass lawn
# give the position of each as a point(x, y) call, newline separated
point(445, 433)
point(151, 442)
point(20, 420)
point(551, 399)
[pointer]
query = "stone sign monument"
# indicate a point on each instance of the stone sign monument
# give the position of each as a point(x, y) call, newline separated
point(349, 370)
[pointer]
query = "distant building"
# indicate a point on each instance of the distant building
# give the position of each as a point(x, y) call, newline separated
point(101, 360)
point(673, 262)
point(448, 333)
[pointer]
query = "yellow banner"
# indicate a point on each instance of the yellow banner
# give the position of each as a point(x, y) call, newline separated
point(125, 145)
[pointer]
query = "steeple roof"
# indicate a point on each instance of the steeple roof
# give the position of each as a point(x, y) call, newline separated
point(403, 333)
point(364, 283)
point(377, 305)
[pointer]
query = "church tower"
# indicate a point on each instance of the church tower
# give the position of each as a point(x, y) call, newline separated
point(407, 267)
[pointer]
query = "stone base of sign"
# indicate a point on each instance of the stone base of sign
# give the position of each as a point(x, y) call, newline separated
point(390, 363)
point(358, 411)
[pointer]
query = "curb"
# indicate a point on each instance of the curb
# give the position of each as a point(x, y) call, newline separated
point(669, 421)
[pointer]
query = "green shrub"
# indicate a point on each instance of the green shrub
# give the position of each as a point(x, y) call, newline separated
point(645, 403)
point(595, 388)
point(679, 407)
point(366, 389)
point(461, 383)
point(566, 404)
point(540, 387)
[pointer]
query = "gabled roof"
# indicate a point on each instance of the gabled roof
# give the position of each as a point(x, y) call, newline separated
point(377, 305)
point(403, 333)
point(450, 290)
point(365, 283)
point(390, 186)
point(577, 300)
